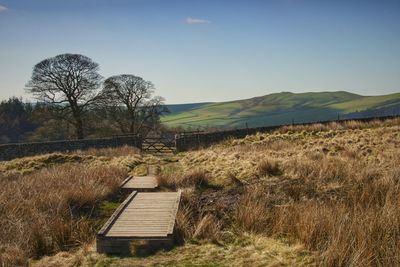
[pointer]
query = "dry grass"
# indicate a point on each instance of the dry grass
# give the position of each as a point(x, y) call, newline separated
point(196, 178)
point(52, 209)
point(268, 168)
point(12, 255)
point(252, 213)
point(30, 164)
point(352, 216)
point(248, 250)
point(347, 125)
point(241, 156)
point(193, 222)
point(110, 152)
point(335, 188)
point(123, 157)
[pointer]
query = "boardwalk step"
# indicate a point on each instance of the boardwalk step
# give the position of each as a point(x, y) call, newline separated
point(139, 183)
point(148, 216)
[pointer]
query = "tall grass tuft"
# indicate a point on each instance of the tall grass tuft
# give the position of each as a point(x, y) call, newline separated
point(346, 209)
point(197, 178)
point(52, 209)
point(268, 167)
point(194, 223)
point(252, 213)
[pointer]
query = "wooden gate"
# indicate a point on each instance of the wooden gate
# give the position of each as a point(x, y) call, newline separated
point(159, 145)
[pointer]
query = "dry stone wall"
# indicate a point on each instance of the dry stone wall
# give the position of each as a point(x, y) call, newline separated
point(183, 141)
point(193, 141)
point(12, 151)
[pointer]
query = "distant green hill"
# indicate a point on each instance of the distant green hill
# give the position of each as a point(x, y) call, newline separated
point(281, 108)
point(185, 107)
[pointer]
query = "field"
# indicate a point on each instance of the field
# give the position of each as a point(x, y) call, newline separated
point(281, 108)
point(324, 195)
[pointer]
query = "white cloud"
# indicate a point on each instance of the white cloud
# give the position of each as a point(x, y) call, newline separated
point(3, 8)
point(190, 20)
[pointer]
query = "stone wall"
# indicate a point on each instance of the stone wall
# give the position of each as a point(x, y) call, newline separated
point(186, 142)
point(183, 141)
point(12, 151)
point(192, 141)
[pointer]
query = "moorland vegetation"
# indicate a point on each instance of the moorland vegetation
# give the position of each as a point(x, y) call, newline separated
point(303, 195)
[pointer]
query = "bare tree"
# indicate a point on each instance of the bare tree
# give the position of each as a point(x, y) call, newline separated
point(131, 101)
point(68, 81)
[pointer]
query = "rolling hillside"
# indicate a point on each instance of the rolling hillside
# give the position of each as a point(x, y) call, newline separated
point(281, 108)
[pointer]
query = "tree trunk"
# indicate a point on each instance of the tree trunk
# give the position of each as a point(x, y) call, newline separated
point(133, 124)
point(132, 128)
point(78, 126)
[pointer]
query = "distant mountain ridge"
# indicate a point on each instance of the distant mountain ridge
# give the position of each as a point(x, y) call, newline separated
point(281, 108)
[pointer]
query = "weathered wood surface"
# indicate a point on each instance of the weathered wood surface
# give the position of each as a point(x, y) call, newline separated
point(159, 145)
point(143, 216)
point(140, 183)
point(116, 214)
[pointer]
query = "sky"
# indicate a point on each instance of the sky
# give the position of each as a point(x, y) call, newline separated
point(210, 50)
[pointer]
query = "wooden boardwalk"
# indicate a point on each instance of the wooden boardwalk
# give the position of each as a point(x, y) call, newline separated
point(139, 183)
point(142, 216)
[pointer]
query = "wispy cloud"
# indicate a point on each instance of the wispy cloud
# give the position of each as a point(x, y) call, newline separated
point(3, 8)
point(190, 20)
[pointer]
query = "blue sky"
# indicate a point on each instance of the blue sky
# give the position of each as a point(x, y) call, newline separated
point(211, 50)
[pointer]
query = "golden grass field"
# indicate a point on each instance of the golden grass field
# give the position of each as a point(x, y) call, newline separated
point(318, 195)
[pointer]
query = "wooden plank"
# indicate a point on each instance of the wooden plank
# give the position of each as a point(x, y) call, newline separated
point(174, 211)
point(139, 237)
point(142, 225)
point(144, 215)
point(125, 181)
point(116, 214)
point(140, 182)
point(138, 232)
